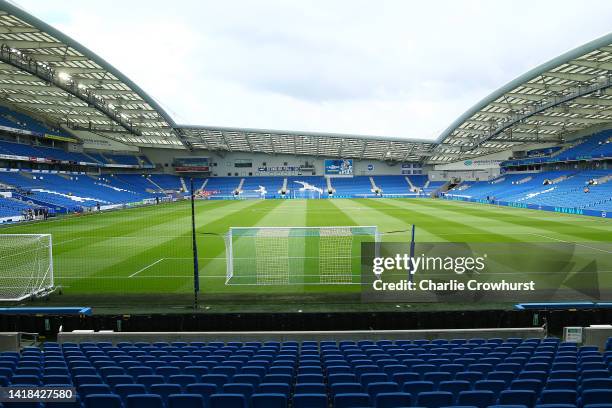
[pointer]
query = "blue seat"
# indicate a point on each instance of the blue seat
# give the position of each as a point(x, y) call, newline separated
point(558, 397)
point(416, 387)
point(125, 390)
point(149, 380)
point(182, 379)
point(405, 376)
point(25, 380)
point(345, 388)
point(239, 388)
point(480, 398)
point(533, 385)
point(393, 400)
point(505, 376)
point(351, 400)
point(164, 390)
point(596, 396)
point(309, 401)
point(470, 376)
point(375, 388)
point(596, 383)
point(135, 371)
point(119, 379)
point(310, 388)
point(217, 379)
point(270, 400)
point(185, 401)
point(274, 388)
point(89, 389)
point(434, 399)
point(490, 385)
point(454, 387)
point(86, 379)
point(228, 401)
point(565, 384)
point(103, 401)
point(167, 371)
point(369, 378)
point(437, 377)
point(517, 397)
point(56, 380)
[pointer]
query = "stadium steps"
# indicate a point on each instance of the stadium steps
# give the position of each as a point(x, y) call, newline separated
point(524, 180)
point(183, 184)
point(159, 188)
point(283, 189)
point(374, 186)
point(238, 189)
point(203, 187)
point(412, 187)
point(330, 188)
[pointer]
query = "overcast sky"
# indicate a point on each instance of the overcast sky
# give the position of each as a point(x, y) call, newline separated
point(392, 68)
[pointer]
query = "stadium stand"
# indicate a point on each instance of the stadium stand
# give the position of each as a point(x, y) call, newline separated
point(586, 189)
point(392, 184)
point(17, 120)
point(444, 372)
point(349, 187)
point(252, 186)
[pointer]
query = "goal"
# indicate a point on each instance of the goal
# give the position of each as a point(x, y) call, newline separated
point(26, 266)
point(296, 255)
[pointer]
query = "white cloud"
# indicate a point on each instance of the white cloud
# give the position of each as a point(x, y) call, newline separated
point(396, 68)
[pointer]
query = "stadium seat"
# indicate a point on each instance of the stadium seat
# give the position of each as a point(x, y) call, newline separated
point(434, 399)
point(228, 401)
point(351, 400)
point(310, 401)
point(517, 397)
point(480, 399)
point(393, 400)
point(269, 400)
point(185, 401)
point(558, 397)
point(595, 396)
point(103, 401)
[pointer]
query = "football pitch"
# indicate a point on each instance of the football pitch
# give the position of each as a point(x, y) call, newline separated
point(143, 255)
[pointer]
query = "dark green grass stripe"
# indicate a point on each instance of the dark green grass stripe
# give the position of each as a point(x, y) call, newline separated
point(427, 219)
point(525, 219)
point(323, 213)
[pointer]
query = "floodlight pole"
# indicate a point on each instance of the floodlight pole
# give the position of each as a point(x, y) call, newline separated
point(194, 245)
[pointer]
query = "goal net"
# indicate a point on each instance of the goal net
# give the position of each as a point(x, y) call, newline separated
point(26, 266)
point(296, 255)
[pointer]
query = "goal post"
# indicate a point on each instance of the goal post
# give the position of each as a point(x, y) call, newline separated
point(296, 255)
point(26, 266)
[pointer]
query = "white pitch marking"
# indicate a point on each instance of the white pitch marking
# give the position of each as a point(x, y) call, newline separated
point(146, 267)
point(569, 242)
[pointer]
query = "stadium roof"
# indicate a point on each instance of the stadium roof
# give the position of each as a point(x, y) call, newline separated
point(565, 95)
point(47, 73)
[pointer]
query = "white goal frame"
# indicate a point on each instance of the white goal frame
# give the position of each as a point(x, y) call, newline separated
point(38, 277)
point(284, 264)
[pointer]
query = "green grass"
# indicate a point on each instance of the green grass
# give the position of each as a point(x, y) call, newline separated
point(141, 257)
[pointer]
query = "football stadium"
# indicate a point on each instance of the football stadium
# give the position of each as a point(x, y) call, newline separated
point(145, 262)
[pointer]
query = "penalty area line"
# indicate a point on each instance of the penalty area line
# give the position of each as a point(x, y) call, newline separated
point(146, 267)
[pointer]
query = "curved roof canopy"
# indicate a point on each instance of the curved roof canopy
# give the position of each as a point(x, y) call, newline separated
point(44, 72)
point(566, 95)
point(47, 73)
